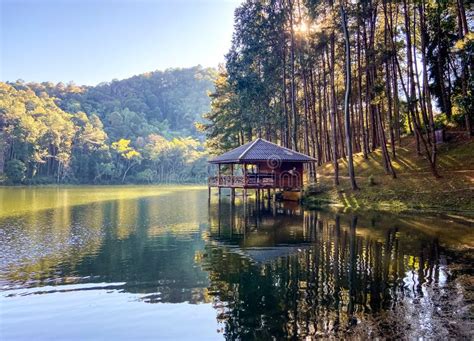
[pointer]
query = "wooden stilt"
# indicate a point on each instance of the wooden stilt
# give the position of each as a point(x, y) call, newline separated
point(219, 216)
point(231, 217)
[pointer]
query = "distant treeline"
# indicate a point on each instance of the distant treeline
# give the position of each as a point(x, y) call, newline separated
point(137, 130)
point(329, 78)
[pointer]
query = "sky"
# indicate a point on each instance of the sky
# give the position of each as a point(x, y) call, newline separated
point(92, 41)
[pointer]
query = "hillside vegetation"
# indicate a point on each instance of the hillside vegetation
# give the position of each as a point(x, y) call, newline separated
point(414, 188)
point(137, 130)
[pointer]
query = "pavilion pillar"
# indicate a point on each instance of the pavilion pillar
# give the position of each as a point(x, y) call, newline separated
point(219, 180)
point(219, 216)
point(231, 218)
point(208, 185)
point(232, 189)
point(245, 183)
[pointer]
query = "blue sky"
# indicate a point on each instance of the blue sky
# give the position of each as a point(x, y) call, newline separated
point(90, 41)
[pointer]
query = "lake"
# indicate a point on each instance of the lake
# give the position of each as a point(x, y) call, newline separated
point(163, 263)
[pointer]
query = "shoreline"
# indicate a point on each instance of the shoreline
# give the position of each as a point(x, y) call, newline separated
point(318, 202)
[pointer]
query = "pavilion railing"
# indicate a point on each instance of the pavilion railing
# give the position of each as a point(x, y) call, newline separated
point(213, 181)
point(252, 180)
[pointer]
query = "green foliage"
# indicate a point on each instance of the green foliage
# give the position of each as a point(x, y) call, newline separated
point(315, 189)
point(146, 176)
point(224, 125)
point(139, 129)
point(40, 180)
point(122, 147)
point(15, 171)
point(284, 76)
point(163, 102)
point(37, 131)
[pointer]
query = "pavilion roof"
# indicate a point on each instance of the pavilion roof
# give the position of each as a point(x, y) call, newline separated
point(261, 150)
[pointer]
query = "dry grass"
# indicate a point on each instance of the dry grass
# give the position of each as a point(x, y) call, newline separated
point(415, 186)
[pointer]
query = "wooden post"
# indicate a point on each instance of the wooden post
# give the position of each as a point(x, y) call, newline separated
point(232, 190)
point(219, 216)
point(231, 218)
point(245, 175)
point(245, 183)
point(258, 198)
point(219, 180)
point(245, 215)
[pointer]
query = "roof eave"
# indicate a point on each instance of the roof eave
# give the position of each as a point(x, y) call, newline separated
point(258, 160)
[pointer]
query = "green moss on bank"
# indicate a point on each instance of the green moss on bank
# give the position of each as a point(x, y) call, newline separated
point(415, 187)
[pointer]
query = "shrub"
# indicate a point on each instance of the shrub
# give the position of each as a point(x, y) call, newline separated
point(40, 180)
point(315, 189)
point(15, 171)
point(146, 176)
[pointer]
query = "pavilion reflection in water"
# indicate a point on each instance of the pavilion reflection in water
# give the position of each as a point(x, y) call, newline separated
point(278, 271)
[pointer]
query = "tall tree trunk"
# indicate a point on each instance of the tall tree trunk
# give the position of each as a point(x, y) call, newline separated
point(463, 29)
point(412, 95)
point(360, 106)
point(294, 135)
point(426, 91)
point(347, 99)
point(286, 136)
point(333, 111)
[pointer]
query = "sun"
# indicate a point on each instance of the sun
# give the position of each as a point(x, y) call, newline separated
point(301, 28)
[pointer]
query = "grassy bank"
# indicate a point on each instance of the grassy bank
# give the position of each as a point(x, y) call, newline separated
point(415, 187)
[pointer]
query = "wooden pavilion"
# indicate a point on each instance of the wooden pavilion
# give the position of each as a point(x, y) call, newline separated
point(259, 165)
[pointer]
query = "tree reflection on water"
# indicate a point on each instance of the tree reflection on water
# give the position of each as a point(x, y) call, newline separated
point(278, 271)
point(272, 270)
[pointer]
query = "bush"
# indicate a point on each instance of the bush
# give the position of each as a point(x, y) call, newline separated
point(316, 189)
point(146, 176)
point(40, 180)
point(15, 171)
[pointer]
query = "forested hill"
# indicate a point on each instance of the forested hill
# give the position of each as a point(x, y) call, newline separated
point(167, 102)
point(140, 129)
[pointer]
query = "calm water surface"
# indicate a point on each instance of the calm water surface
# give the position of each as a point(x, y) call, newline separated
point(162, 263)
